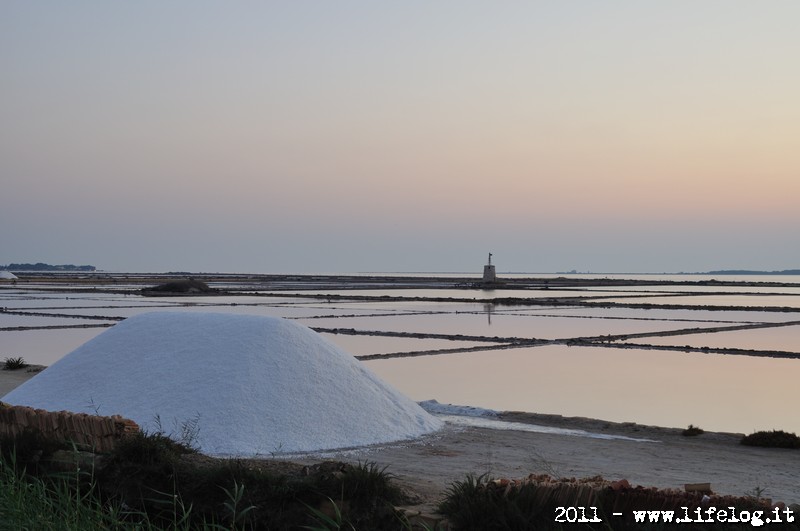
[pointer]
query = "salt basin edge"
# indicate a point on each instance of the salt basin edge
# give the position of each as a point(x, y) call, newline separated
point(242, 385)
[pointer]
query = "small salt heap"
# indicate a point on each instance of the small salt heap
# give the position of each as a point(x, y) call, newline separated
point(244, 384)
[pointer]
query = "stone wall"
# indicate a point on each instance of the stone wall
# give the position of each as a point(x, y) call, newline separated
point(91, 432)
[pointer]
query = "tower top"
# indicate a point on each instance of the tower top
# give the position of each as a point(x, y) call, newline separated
point(490, 258)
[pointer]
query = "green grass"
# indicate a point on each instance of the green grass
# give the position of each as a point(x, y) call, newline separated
point(151, 482)
point(62, 501)
point(474, 504)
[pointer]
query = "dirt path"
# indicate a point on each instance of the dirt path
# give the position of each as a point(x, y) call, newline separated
point(429, 465)
point(11, 379)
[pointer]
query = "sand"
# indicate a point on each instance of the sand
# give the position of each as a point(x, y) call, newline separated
point(12, 379)
point(428, 465)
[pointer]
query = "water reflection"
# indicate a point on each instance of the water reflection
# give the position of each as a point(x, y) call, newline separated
point(674, 389)
point(366, 345)
point(785, 338)
point(495, 323)
point(779, 301)
point(44, 347)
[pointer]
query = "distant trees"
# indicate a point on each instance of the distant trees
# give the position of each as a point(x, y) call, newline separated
point(47, 267)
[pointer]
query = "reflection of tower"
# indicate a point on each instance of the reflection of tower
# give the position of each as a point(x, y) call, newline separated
point(489, 274)
point(489, 308)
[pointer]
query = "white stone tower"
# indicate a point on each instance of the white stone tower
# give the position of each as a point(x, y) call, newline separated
point(489, 274)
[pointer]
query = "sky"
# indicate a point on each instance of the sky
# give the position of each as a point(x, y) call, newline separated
point(356, 136)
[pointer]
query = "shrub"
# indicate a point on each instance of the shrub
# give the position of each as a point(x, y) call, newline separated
point(188, 285)
point(692, 431)
point(141, 469)
point(12, 364)
point(149, 481)
point(365, 483)
point(772, 439)
point(477, 504)
point(28, 450)
point(227, 490)
point(159, 477)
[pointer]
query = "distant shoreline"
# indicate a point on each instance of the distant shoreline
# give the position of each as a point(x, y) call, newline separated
point(751, 272)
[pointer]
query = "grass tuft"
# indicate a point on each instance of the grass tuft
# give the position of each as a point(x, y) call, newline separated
point(12, 364)
point(365, 483)
point(151, 482)
point(477, 504)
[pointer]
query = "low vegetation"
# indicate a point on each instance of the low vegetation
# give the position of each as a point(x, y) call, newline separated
point(692, 431)
point(152, 482)
point(590, 504)
point(472, 504)
point(12, 364)
point(772, 439)
point(182, 286)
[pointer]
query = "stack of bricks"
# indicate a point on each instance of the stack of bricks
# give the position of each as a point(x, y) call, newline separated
point(91, 432)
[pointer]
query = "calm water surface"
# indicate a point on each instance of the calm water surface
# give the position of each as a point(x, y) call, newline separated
point(776, 338)
point(722, 393)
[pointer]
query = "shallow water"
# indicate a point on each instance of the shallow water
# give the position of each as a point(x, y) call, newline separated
point(733, 299)
point(697, 316)
point(774, 338)
point(366, 345)
point(673, 389)
point(490, 324)
point(13, 321)
point(44, 347)
point(477, 294)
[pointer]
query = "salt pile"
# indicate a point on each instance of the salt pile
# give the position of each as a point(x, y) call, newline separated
point(251, 385)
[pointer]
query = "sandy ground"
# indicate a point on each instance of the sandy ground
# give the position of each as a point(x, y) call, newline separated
point(671, 460)
point(427, 466)
point(11, 379)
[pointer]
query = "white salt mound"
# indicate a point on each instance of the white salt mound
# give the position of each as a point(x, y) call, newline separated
point(251, 385)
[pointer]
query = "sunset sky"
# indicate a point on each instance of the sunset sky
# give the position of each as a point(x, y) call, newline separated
point(316, 136)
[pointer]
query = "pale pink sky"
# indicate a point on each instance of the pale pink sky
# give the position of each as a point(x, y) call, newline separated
point(358, 136)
